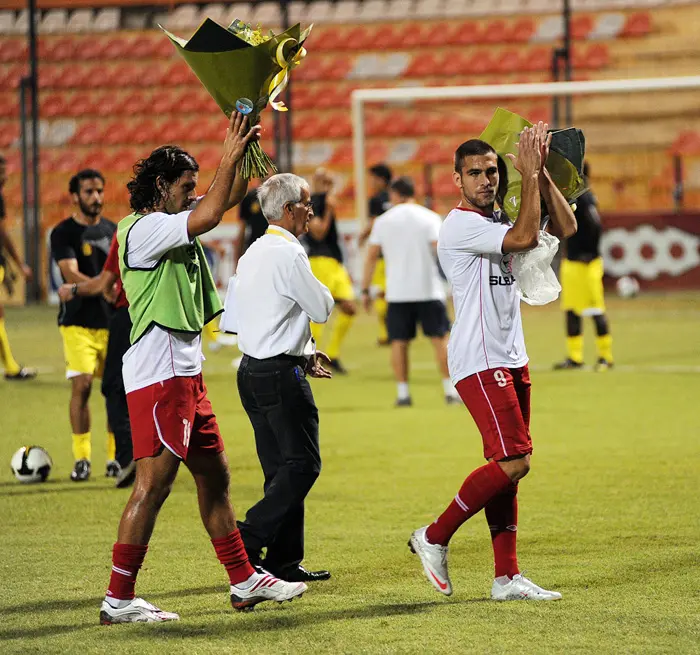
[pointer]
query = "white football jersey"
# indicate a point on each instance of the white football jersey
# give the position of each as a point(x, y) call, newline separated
point(487, 331)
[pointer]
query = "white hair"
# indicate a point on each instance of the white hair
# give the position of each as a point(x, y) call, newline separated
point(277, 191)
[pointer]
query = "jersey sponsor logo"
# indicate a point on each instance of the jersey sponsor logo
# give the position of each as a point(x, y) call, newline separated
point(507, 279)
point(87, 249)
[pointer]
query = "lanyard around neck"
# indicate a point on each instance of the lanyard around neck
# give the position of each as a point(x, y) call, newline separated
point(279, 233)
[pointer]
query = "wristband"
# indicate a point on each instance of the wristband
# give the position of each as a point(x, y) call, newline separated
point(74, 289)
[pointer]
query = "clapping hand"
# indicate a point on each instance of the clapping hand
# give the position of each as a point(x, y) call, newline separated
point(532, 148)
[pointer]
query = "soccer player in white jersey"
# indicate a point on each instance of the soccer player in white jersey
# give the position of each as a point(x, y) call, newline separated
point(486, 351)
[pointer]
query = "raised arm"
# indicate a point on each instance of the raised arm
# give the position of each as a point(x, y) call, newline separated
point(308, 292)
point(210, 209)
point(562, 221)
point(524, 235)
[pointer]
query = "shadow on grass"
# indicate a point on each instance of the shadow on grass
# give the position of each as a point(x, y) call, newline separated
point(272, 619)
point(53, 605)
point(50, 486)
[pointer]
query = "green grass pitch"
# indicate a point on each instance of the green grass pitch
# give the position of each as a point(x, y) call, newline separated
point(609, 515)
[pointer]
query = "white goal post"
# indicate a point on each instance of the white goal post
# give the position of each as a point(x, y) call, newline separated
point(362, 96)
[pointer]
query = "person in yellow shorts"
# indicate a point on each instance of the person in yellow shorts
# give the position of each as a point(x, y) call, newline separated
point(13, 371)
point(581, 276)
point(380, 178)
point(326, 259)
point(80, 245)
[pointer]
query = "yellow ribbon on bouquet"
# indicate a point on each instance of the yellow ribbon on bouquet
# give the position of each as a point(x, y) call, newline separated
point(279, 82)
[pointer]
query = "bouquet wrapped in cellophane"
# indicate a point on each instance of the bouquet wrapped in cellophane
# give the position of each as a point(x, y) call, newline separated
point(565, 161)
point(535, 280)
point(244, 70)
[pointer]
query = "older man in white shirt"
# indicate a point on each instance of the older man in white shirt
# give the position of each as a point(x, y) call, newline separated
point(274, 298)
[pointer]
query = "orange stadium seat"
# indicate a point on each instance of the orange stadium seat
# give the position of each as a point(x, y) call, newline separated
point(436, 34)
point(144, 47)
point(687, 143)
point(339, 127)
point(9, 133)
point(483, 62)
point(360, 38)
point(9, 105)
point(433, 152)
point(537, 59)
point(88, 134)
point(424, 65)
point(62, 49)
point(12, 50)
point(52, 104)
point(495, 31)
point(456, 62)
point(467, 32)
point(328, 38)
point(521, 31)
point(90, 49)
point(116, 47)
point(411, 35)
point(637, 25)
point(509, 61)
point(595, 57)
point(581, 26)
point(146, 131)
point(10, 76)
point(173, 131)
point(135, 103)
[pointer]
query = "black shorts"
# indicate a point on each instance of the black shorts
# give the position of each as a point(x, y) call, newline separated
point(402, 318)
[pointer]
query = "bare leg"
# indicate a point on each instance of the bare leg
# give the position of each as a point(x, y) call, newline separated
point(154, 480)
point(440, 347)
point(81, 386)
point(399, 359)
point(211, 475)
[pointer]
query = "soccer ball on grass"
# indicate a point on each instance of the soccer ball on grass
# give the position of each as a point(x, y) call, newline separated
point(627, 287)
point(31, 464)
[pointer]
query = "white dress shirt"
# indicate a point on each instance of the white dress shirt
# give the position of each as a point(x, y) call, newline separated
point(275, 296)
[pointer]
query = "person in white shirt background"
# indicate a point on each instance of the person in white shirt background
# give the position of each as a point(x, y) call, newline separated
point(486, 353)
point(275, 297)
point(163, 271)
point(406, 235)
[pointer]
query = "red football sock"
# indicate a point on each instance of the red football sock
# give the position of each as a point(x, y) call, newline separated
point(126, 562)
point(480, 487)
point(231, 553)
point(502, 516)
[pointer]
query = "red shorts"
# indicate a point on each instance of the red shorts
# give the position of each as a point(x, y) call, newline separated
point(175, 414)
point(499, 401)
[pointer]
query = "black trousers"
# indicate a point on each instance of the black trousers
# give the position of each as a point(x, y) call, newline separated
point(280, 405)
point(113, 384)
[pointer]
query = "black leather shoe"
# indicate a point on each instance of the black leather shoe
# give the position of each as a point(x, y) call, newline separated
point(300, 574)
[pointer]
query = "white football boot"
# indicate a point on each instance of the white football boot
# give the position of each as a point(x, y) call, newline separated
point(520, 588)
point(137, 611)
point(434, 560)
point(264, 586)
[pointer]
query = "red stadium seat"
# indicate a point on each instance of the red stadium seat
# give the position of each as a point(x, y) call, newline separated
point(304, 98)
point(107, 104)
point(687, 143)
point(637, 25)
point(75, 76)
point(594, 58)
point(581, 26)
point(173, 131)
point(483, 62)
point(164, 101)
point(386, 37)
point(439, 34)
point(123, 159)
point(147, 131)
point(328, 38)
